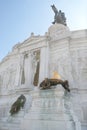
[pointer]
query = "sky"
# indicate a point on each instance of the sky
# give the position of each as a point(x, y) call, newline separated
point(19, 18)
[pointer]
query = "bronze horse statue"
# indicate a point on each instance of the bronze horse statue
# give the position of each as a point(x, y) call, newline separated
point(47, 83)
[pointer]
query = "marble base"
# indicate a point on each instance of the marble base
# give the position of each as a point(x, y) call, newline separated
point(47, 125)
point(49, 111)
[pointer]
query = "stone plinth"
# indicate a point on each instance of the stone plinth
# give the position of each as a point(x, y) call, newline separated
point(49, 111)
point(58, 31)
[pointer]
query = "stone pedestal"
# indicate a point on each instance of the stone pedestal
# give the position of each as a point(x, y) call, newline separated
point(49, 110)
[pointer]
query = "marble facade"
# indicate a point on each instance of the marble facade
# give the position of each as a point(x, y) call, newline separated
point(59, 50)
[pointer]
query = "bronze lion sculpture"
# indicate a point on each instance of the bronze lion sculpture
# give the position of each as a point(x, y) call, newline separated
point(47, 83)
point(18, 104)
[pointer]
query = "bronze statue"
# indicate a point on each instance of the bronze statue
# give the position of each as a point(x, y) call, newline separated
point(59, 16)
point(47, 83)
point(18, 104)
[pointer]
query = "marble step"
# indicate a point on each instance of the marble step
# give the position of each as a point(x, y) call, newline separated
point(47, 125)
point(46, 116)
point(9, 126)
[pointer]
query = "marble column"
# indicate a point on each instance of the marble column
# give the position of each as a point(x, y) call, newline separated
point(47, 60)
point(43, 63)
point(28, 71)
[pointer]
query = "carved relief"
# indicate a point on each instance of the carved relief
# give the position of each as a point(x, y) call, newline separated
point(11, 78)
point(61, 66)
point(7, 77)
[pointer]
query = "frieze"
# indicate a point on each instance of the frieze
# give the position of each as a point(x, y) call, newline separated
point(8, 75)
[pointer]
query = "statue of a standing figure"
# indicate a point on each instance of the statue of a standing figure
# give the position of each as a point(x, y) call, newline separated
point(59, 16)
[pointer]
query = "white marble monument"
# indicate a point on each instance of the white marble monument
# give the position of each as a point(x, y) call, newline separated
point(59, 52)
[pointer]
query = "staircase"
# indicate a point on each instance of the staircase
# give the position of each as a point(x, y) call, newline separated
point(50, 110)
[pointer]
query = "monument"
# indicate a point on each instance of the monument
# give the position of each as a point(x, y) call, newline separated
point(60, 56)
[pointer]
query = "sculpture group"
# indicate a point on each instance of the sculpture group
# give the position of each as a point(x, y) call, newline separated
point(59, 16)
point(18, 104)
point(47, 83)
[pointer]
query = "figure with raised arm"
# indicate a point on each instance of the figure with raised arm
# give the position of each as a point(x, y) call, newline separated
point(59, 16)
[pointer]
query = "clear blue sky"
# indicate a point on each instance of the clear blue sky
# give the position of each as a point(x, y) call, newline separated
point(18, 18)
